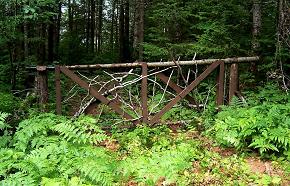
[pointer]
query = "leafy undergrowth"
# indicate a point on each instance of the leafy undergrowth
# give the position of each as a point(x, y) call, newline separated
point(54, 150)
point(265, 128)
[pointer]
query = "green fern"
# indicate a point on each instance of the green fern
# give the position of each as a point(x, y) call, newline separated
point(3, 117)
point(265, 127)
point(81, 131)
point(5, 139)
point(18, 179)
point(33, 127)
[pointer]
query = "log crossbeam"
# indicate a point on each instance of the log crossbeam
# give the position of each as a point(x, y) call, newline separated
point(177, 89)
point(95, 93)
point(186, 91)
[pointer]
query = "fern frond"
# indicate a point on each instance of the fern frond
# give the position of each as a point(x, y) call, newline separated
point(34, 126)
point(19, 178)
point(80, 132)
point(3, 117)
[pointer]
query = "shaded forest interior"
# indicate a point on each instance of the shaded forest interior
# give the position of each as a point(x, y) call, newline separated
point(178, 92)
point(69, 32)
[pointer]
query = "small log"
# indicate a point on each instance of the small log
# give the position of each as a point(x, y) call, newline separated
point(167, 64)
point(42, 85)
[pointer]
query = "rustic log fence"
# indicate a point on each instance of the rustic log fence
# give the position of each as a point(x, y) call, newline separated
point(182, 93)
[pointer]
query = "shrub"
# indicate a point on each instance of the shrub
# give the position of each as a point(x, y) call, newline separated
point(265, 127)
point(52, 149)
point(8, 103)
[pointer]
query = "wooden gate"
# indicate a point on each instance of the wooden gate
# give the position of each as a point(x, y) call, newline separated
point(181, 93)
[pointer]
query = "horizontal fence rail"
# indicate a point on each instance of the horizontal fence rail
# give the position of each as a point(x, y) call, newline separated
point(167, 64)
point(156, 64)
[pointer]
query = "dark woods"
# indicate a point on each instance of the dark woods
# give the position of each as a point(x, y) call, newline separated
point(111, 31)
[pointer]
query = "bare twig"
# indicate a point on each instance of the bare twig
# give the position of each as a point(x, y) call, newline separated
point(207, 97)
point(180, 71)
point(162, 94)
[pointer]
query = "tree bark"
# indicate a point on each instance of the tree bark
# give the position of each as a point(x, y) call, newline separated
point(112, 26)
point(13, 70)
point(51, 44)
point(169, 63)
point(70, 17)
point(42, 79)
point(58, 27)
point(42, 87)
point(126, 51)
point(121, 33)
point(100, 25)
point(88, 21)
point(93, 14)
point(25, 32)
point(139, 30)
point(257, 23)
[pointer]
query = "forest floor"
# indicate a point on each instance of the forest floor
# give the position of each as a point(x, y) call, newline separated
point(215, 165)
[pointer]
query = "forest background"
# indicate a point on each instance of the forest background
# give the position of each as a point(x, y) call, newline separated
point(246, 143)
point(49, 32)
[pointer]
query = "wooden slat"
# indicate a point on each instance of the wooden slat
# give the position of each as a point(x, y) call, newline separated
point(177, 89)
point(185, 92)
point(221, 78)
point(95, 93)
point(234, 81)
point(144, 92)
point(58, 90)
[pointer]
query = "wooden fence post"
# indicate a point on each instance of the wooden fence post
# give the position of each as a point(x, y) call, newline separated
point(58, 90)
point(234, 81)
point(42, 85)
point(220, 88)
point(144, 92)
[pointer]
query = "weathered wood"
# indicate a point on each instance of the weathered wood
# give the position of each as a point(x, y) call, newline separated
point(158, 64)
point(144, 92)
point(234, 81)
point(185, 92)
point(165, 64)
point(177, 89)
point(42, 85)
point(58, 90)
point(95, 93)
point(221, 78)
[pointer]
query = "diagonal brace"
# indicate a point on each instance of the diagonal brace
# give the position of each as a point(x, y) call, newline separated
point(177, 89)
point(185, 92)
point(95, 93)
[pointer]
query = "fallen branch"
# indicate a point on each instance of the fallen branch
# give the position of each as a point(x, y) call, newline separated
point(167, 64)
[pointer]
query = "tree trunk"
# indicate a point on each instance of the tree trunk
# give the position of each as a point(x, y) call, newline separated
point(257, 23)
point(25, 33)
point(117, 25)
point(93, 14)
point(100, 25)
point(12, 66)
point(70, 17)
point(88, 17)
point(70, 29)
point(112, 26)
point(139, 30)
point(51, 37)
point(42, 46)
point(57, 39)
point(41, 79)
point(121, 33)
point(126, 50)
